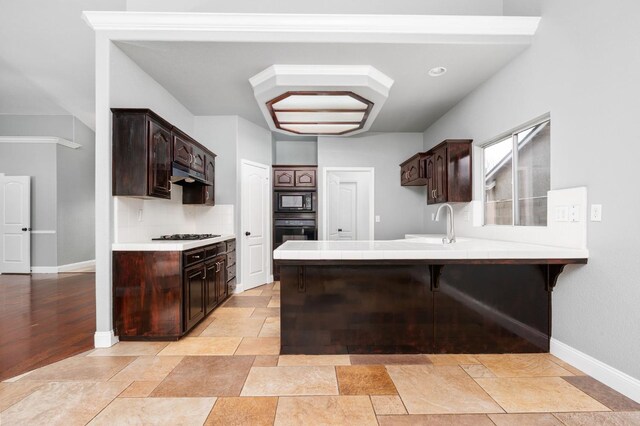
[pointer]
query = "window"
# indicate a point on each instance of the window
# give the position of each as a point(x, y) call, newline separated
point(517, 167)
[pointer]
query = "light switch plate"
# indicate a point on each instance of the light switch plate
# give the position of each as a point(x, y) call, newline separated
point(596, 212)
point(562, 214)
point(377, 219)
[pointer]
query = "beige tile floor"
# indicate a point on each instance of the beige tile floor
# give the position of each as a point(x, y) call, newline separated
point(228, 372)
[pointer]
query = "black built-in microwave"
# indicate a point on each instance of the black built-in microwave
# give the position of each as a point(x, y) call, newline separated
point(294, 202)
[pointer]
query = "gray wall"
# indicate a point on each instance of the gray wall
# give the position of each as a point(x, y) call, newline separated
point(42, 169)
point(76, 197)
point(583, 68)
point(400, 208)
point(300, 152)
point(62, 185)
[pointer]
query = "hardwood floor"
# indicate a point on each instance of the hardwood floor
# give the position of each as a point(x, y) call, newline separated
point(44, 318)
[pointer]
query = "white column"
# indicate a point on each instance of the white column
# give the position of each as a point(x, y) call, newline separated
point(104, 336)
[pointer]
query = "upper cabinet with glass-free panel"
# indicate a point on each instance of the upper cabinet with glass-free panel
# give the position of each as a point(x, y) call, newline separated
point(517, 167)
point(294, 177)
point(448, 172)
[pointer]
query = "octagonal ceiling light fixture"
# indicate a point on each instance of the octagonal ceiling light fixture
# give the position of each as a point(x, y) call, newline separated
point(334, 100)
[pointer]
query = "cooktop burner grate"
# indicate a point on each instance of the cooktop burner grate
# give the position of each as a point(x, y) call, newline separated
point(182, 237)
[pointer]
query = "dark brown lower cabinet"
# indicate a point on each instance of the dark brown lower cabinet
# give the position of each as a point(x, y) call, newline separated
point(413, 306)
point(210, 286)
point(221, 278)
point(194, 295)
point(161, 295)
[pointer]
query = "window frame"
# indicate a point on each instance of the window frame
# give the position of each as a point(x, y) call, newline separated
point(515, 204)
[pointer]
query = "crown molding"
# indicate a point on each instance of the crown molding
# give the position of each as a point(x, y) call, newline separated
point(40, 139)
point(313, 27)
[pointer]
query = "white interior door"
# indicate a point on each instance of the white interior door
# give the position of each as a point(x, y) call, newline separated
point(333, 206)
point(347, 214)
point(254, 224)
point(15, 216)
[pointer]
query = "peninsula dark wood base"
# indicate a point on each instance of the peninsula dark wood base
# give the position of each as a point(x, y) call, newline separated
point(362, 307)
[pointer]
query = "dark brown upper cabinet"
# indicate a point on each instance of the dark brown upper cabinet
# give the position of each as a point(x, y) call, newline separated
point(305, 178)
point(413, 171)
point(294, 177)
point(142, 154)
point(145, 149)
point(187, 152)
point(448, 172)
point(283, 178)
point(202, 194)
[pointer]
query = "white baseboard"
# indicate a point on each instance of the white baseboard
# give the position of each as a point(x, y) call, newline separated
point(79, 266)
point(44, 269)
point(615, 379)
point(239, 288)
point(104, 339)
point(71, 267)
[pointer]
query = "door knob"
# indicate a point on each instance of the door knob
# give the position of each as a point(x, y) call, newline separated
point(247, 233)
point(26, 229)
point(339, 230)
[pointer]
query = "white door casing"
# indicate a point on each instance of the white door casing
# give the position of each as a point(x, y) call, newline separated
point(333, 206)
point(254, 224)
point(15, 219)
point(348, 215)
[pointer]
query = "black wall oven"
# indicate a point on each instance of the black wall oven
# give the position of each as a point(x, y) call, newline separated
point(294, 202)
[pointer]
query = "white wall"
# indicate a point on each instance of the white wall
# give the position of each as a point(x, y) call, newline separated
point(583, 69)
point(400, 208)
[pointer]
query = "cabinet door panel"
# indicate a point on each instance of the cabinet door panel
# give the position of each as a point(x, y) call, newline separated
point(431, 185)
point(283, 178)
point(440, 175)
point(211, 296)
point(198, 161)
point(159, 151)
point(210, 176)
point(182, 150)
point(221, 278)
point(193, 295)
point(305, 178)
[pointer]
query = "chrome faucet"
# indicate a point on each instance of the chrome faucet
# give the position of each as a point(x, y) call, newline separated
point(451, 232)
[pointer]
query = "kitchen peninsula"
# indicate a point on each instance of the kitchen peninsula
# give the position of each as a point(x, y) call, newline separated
point(418, 295)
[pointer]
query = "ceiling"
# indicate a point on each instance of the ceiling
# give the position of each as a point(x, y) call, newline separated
point(213, 78)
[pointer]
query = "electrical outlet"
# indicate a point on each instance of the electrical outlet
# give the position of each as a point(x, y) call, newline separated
point(377, 219)
point(140, 215)
point(574, 214)
point(596, 212)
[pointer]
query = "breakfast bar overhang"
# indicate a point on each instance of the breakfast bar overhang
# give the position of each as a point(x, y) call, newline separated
point(415, 297)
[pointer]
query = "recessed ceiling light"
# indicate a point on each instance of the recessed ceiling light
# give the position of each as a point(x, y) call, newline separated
point(437, 71)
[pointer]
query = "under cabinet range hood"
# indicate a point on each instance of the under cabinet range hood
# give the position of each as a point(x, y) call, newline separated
point(181, 175)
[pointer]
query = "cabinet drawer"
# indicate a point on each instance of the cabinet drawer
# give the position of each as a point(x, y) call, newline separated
point(231, 245)
point(231, 284)
point(214, 250)
point(231, 258)
point(193, 256)
point(231, 272)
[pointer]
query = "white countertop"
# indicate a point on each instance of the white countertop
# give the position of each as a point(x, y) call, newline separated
point(422, 247)
point(168, 245)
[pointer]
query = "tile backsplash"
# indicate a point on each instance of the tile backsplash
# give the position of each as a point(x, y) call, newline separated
point(138, 220)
